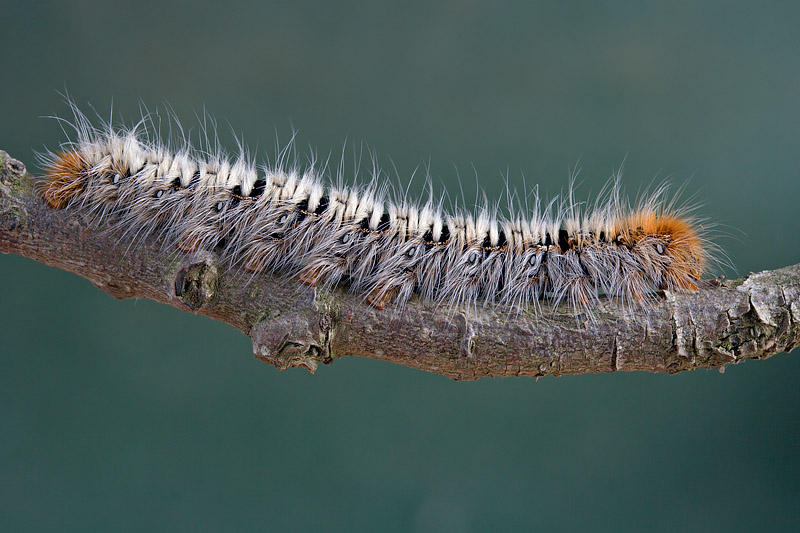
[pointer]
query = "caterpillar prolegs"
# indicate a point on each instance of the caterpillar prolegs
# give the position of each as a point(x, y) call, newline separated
point(286, 219)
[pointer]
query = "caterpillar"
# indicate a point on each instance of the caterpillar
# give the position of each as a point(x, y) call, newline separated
point(287, 219)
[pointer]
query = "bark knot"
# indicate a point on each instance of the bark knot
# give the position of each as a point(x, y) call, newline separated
point(197, 280)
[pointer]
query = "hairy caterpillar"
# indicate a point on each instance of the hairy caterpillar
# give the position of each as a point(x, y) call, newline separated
point(285, 219)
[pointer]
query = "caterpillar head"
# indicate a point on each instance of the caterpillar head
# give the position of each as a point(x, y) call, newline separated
point(71, 174)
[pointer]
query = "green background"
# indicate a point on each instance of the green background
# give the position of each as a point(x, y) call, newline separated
point(131, 415)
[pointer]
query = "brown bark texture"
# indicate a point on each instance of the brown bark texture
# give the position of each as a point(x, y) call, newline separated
point(293, 325)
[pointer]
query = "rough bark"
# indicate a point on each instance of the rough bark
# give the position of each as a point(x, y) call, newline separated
point(292, 325)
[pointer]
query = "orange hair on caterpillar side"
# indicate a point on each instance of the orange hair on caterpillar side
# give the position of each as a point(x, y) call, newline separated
point(673, 237)
point(64, 179)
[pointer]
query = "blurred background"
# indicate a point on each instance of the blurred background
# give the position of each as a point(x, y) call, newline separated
point(135, 416)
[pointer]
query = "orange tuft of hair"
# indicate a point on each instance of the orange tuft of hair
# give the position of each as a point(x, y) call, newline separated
point(64, 179)
point(684, 246)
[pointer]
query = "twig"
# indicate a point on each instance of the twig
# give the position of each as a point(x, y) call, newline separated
point(292, 325)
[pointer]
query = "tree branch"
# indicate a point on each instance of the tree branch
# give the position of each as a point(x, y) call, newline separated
point(292, 325)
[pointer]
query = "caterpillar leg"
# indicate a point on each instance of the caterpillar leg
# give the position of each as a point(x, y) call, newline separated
point(309, 276)
point(379, 297)
point(254, 263)
point(187, 244)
